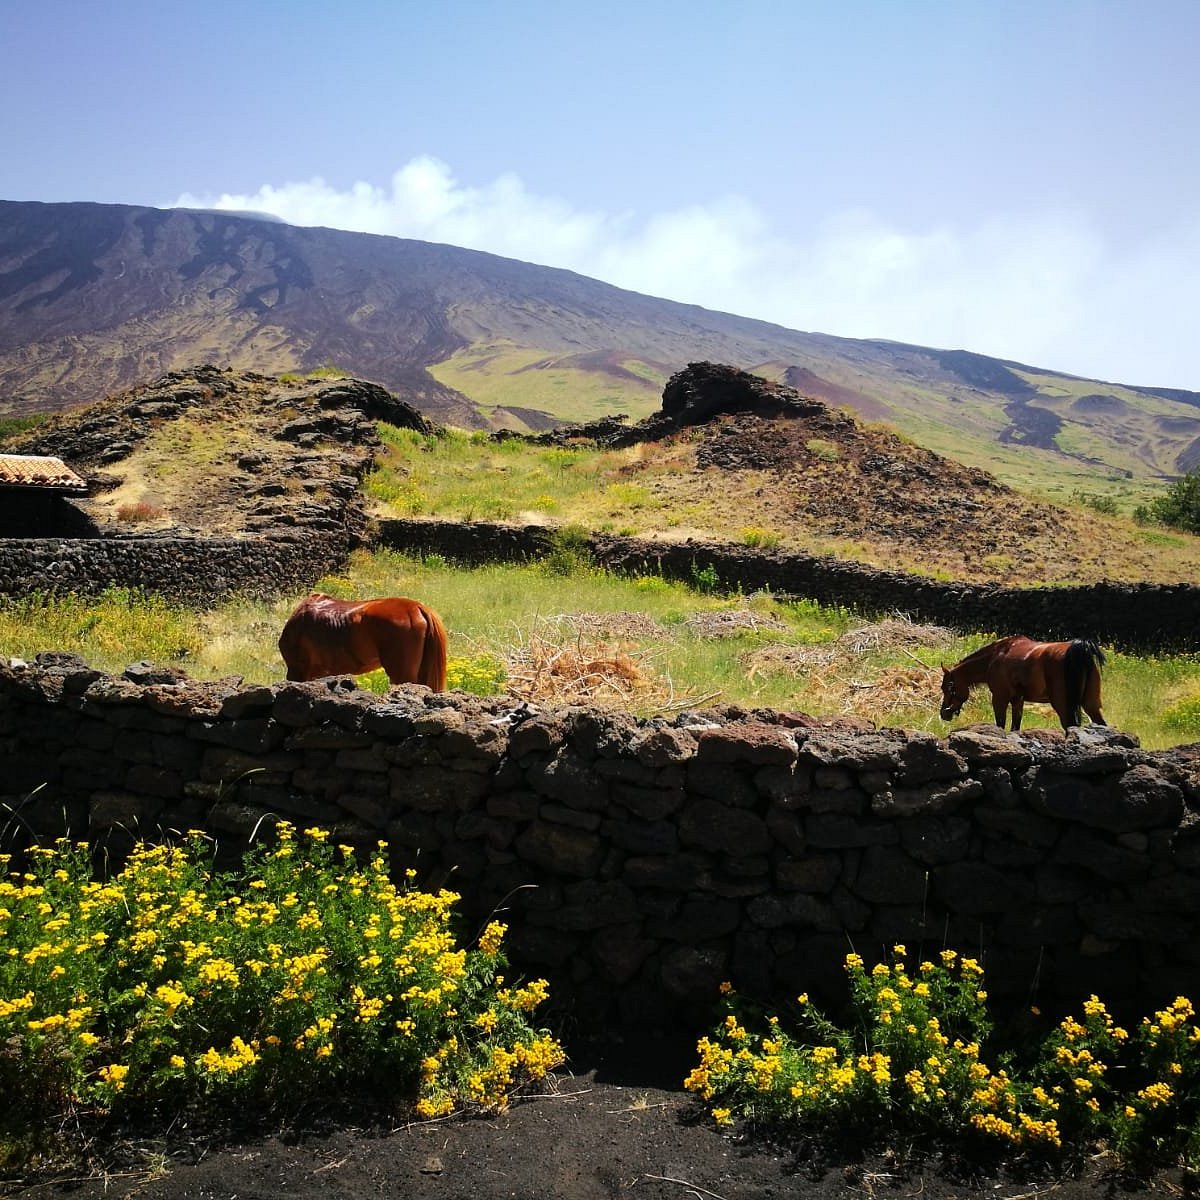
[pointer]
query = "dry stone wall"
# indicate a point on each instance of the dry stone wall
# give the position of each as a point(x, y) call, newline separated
point(641, 862)
point(1147, 616)
point(1138, 617)
point(191, 570)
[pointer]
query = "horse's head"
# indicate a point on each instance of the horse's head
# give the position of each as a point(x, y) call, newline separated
point(954, 694)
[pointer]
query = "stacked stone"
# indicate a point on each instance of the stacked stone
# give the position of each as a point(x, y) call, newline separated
point(1149, 617)
point(195, 571)
point(641, 862)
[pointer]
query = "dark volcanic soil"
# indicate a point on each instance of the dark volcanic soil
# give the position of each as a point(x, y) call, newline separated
point(614, 1125)
point(586, 1139)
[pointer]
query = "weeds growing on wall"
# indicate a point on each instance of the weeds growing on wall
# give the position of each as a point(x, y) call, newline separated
point(916, 1063)
point(171, 986)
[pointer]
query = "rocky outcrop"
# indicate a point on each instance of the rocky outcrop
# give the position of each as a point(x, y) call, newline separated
point(302, 469)
point(697, 395)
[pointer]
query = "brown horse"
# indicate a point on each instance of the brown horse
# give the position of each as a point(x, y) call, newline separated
point(326, 636)
point(1016, 669)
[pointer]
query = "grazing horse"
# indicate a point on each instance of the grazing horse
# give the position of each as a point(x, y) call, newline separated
point(1016, 669)
point(326, 636)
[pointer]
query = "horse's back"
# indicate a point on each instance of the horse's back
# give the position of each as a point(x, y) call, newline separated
point(327, 636)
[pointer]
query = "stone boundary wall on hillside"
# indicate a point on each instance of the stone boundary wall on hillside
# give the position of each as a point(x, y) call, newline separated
point(1137, 617)
point(190, 570)
point(641, 862)
point(1146, 617)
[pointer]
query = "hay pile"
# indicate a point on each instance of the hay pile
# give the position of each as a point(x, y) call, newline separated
point(582, 668)
point(894, 633)
point(730, 623)
point(896, 689)
point(833, 672)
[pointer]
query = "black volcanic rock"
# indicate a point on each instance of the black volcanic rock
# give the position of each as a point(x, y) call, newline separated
point(315, 439)
point(697, 395)
point(703, 390)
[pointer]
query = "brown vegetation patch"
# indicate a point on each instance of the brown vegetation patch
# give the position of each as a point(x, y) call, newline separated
point(543, 669)
point(834, 679)
point(781, 658)
point(894, 633)
point(627, 625)
point(730, 623)
point(895, 689)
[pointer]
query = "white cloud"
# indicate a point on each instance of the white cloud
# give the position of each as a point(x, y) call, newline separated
point(1041, 287)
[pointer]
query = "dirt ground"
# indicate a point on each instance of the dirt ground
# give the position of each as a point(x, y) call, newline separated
point(621, 1128)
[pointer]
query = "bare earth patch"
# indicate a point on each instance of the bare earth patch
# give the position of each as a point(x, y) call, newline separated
point(594, 1137)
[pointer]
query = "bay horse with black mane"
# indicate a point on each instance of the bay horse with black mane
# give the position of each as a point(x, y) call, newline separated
point(1016, 669)
point(326, 636)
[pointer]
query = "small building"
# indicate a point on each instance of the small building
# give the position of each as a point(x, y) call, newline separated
point(36, 493)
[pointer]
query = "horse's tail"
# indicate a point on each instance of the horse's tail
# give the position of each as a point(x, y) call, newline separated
point(432, 672)
point(1082, 658)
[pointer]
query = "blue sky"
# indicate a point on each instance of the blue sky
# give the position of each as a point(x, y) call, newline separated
point(1017, 178)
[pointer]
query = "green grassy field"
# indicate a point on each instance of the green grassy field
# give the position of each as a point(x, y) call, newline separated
point(501, 374)
point(662, 646)
point(655, 490)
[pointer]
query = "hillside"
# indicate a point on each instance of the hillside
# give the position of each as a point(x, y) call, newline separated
point(211, 451)
point(95, 298)
point(728, 457)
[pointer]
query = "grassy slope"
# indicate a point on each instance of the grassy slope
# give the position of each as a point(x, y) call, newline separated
point(1141, 435)
point(656, 491)
point(496, 374)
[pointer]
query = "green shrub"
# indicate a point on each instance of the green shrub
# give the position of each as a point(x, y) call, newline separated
point(13, 426)
point(1097, 501)
point(825, 450)
point(1184, 716)
point(483, 675)
point(760, 539)
point(1179, 508)
point(570, 551)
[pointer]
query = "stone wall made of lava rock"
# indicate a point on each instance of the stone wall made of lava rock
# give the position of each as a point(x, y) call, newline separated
point(1142, 617)
point(193, 570)
point(638, 862)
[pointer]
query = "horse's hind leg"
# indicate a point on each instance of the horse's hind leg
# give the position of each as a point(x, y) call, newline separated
point(401, 658)
point(1091, 699)
point(1018, 710)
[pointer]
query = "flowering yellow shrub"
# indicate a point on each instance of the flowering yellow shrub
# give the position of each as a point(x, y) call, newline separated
point(173, 982)
point(911, 1063)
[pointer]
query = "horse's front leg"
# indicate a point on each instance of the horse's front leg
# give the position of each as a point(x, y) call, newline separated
point(1018, 708)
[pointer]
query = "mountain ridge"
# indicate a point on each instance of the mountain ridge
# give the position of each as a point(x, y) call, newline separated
point(96, 297)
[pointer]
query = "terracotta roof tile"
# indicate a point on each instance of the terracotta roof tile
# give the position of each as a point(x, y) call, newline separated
point(35, 470)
